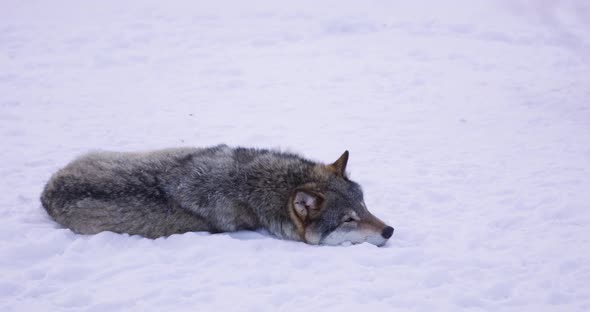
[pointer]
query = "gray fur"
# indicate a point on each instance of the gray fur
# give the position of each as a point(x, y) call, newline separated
point(217, 189)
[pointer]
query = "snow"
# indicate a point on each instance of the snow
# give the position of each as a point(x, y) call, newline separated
point(468, 124)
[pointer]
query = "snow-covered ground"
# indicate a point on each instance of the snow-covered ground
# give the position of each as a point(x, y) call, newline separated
point(468, 125)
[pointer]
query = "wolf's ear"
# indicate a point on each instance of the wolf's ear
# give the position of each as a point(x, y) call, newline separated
point(306, 203)
point(339, 166)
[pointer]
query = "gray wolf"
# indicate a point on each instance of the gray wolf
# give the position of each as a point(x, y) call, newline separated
point(215, 189)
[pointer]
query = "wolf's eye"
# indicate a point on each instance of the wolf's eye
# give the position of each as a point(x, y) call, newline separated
point(349, 219)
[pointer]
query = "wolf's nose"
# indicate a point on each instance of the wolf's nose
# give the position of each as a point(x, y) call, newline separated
point(387, 232)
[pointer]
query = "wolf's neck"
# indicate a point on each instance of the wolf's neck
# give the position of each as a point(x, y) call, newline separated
point(271, 197)
point(284, 229)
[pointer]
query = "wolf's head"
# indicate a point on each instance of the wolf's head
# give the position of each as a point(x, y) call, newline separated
point(330, 210)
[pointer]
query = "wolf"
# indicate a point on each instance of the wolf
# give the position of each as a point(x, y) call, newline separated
point(215, 189)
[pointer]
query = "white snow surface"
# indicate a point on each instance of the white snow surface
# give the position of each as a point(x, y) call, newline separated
point(468, 124)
